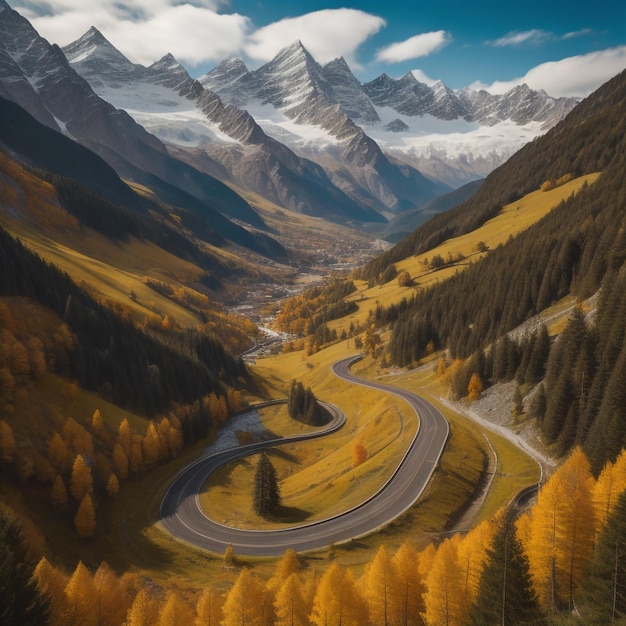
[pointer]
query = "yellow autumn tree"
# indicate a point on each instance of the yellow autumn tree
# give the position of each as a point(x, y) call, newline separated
point(410, 585)
point(475, 387)
point(290, 606)
point(209, 608)
point(113, 598)
point(144, 611)
point(58, 492)
point(245, 602)
point(472, 554)
point(288, 564)
point(359, 454)
point(58, 453)
point(124, 436)
point(380, 588)
point(609, 486)
point(337, 601)
point(51, 582)
point(135, 460)
point(81, 597)
point(443, 599)
point(85, 519)
point(81, 480)
point(113, 486)
point(560, 534)
point(151, 446)
point(97, 423)
point(120, 461)
point(174, 611)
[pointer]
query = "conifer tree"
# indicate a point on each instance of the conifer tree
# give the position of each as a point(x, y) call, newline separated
point(174, 611)
point(51, 584)
point(81, 481)
point(410, 585)
point(290, 607)
point(287, 565)
point(58, 453)
point(337, 601)
point(113, 599)
point(610, 485)
point(245, 602)
point(22, 601)
point(58, 493)
point(120, 461)
point(359, 454)
point(505, 595)
point(85, 519)
point(81, 595)
point(144, 611)
point(381, 590)
point(208, 608)
point(266, 491)
point(97, 423)
point(603, 593)
point(113, 486)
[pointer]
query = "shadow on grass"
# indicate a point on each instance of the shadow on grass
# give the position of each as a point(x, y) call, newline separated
point(292, 514)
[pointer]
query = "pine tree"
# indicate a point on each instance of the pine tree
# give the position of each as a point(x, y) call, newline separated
point(22, 601)
point(97, 423)
point(113, 486)
point(58, 453)
point(505, 594)
point(51, 584)
point(85, 519)
point(113, 599)
point(610, 485)
point(475, 387)
point(266, 491)
point(144, 611)
point(174, 611)
point(120, 461)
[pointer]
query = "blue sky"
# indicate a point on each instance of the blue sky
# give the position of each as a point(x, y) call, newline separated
point(554, 46)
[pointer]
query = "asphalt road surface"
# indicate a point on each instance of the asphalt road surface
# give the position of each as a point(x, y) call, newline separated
point(182, 516)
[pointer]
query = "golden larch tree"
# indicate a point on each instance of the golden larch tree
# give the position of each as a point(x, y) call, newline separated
point(245, 602)
point(113, 486)
point(97, 423)
point(472, 554)
point(174, 611)
point(209, 608)
point(52, 582)
point(85, 519)
point(561, 530)
point(151, 446)
point(113, 599)
point(58, 453)
point(411, 586)
point(164, 448)
point(58, 492)
point(337, 601)
point(135, 459)
point(381, 589)
point(125, 436)
point(81, 597)
point(81, 480)
point(443, 599)
point(120, 461)
point(144, 611)
point(608, 488)
point(288, 564)
point(475, 387)
point(290, 607)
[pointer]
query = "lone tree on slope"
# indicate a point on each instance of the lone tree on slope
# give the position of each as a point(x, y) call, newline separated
point(266, 491)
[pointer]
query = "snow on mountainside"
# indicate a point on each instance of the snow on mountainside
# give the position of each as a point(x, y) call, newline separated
point(452, 136)
point(219, 138)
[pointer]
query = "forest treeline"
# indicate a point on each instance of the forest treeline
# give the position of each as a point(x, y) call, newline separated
point(588, 140)
point(562, 561)
point(108, 353)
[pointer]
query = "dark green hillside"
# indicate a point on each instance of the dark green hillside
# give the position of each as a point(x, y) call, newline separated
point(575, 249)
point(110, 353)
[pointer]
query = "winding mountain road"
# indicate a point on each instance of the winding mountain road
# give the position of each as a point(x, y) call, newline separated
point(183, 517)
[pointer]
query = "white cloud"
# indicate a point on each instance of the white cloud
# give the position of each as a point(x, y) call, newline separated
point(517, 38)
point(326, 34)
point(575, 76)
point(423, 77)
point(414, 47)
point(144, 30)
